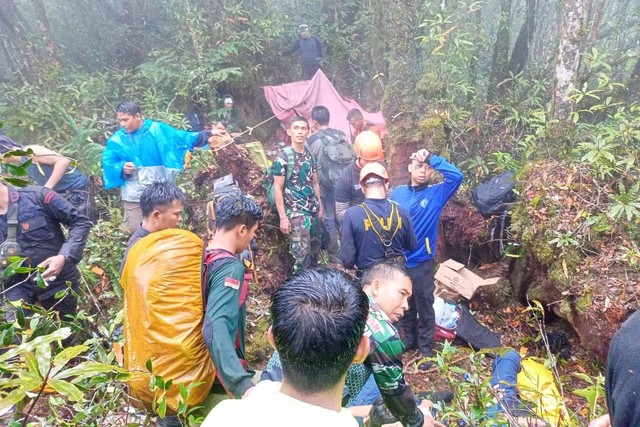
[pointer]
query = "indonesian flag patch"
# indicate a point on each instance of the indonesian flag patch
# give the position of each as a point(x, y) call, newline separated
point(232, 283)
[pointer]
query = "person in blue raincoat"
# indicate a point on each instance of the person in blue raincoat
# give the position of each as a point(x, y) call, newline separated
point(142, 152)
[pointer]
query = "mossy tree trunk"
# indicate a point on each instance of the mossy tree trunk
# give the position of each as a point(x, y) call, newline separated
point(568, 59)
point(500, 61)
point(400, 102)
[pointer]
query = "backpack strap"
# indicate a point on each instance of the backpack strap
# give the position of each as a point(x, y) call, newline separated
point(387, 232)
point(291, 161)
point(12, 214)
point(209, 257)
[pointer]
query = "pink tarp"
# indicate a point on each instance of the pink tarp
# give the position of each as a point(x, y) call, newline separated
point(298, 98)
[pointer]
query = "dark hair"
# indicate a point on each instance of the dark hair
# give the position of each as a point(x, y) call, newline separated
point(321, 115)
point(383, 270)
point(128, 107)
point(237, 210)
point(157, 195)
point(354, 114)
point(298, 119)
point(318, 320)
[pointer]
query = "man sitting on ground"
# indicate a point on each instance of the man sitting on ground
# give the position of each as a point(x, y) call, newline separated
point(162, 205)
point(318, 320)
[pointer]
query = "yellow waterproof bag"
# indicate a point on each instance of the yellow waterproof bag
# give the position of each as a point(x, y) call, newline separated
point(163, 314)
point(536, 385)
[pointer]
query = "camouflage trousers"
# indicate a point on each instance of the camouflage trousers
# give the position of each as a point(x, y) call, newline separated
point(304, 241)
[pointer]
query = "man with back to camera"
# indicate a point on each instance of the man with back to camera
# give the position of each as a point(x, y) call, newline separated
point(142, 152)
point(311, 51)
point(425, 203)
point(333, 154)
point(377, 229)
point(318, 318)
point(348, 193)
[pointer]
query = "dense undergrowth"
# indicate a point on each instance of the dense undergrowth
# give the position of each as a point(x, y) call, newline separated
point(576, 223)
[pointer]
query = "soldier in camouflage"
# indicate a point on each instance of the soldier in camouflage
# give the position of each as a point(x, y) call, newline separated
point(298, 197)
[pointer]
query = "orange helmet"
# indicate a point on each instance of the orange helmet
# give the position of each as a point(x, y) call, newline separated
point(368, 146)
point(375, 169)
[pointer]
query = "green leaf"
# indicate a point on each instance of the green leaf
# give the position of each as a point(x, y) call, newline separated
point(162, 407)
point(67, 389)
point(149, 365)
point(17, 170)
point(11, 399)
point(32, 364)
point(67, 354)
point(88, 369)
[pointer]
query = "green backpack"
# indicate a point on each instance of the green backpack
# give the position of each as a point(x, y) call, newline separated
point(267, 181)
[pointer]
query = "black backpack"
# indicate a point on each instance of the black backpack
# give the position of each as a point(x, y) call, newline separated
point(492, 196)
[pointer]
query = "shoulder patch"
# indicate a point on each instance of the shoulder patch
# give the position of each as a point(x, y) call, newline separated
point(48, 197)
point(230, 282)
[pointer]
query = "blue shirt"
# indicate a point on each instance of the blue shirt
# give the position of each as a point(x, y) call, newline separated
point(425, 204)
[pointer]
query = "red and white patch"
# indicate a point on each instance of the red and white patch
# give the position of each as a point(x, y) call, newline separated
point(232, 283)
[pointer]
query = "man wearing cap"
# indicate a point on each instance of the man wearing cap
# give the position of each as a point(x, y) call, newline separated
point(376, 229)
point(311, 50)
point(425, 203)
point(232, 117)
point(348, 193)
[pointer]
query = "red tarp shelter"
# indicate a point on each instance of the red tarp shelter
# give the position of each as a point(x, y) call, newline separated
point(298, 98)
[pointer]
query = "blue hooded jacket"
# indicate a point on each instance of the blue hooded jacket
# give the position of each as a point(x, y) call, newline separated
point(156, 149)
point(425, 204)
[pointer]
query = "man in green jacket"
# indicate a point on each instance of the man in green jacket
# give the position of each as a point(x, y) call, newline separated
point(237, 220)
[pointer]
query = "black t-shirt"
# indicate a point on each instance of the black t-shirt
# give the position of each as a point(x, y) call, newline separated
point(622, 385)
point(348, 188)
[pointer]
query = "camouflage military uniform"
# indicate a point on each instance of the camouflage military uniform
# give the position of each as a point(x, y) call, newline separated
point(301, 207)
point(385, 359)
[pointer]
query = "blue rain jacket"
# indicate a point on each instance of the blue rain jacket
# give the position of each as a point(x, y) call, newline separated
point(156, 149)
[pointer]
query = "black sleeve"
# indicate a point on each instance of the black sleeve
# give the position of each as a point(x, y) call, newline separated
point(622, 380)
point(347, 253)
point(65, 213)
point(342, 190)
point(203, 138)
point(291, 49)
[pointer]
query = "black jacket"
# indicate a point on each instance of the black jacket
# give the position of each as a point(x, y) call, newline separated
point(622, 384)
point(40, 236)
point(360, 245)
point(311, 50)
